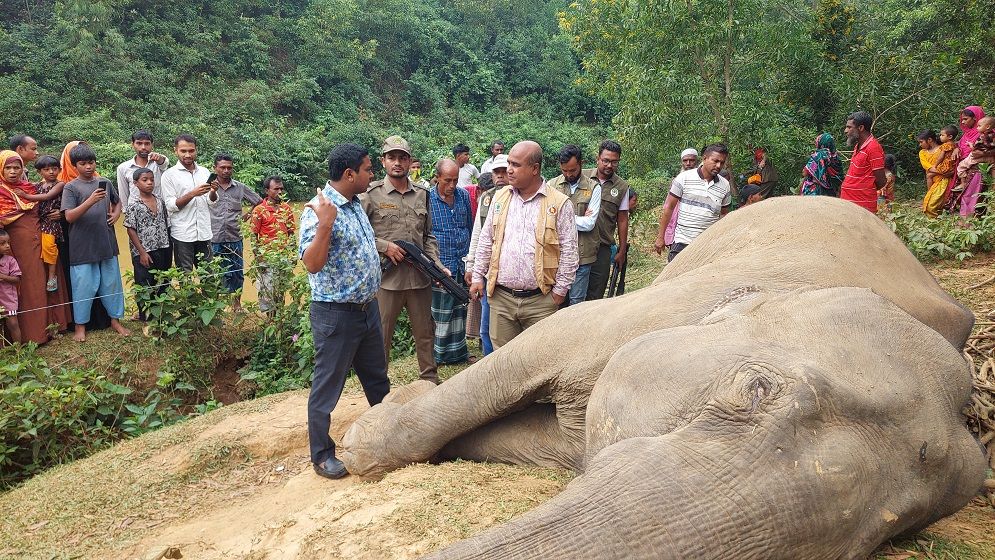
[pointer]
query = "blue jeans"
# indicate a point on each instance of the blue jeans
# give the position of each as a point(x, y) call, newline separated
point(230, 253)
point(100, 279)
point(485, 324)
point(578, 290)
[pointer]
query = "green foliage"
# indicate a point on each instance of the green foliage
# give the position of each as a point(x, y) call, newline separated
point(51, 415)
point(948, 236)
point(189, 302)
point(402, 344)
point(774, 74)
point(277, 85)
point(282, 357)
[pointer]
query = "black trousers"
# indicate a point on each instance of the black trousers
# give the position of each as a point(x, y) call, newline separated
point(675, 249)
point(343, 339)
point(189, 254)
point(162, 259)
point(600, 271)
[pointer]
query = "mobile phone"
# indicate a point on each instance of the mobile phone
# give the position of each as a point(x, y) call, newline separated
point(212, 177)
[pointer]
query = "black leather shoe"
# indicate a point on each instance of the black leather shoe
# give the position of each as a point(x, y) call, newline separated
point(331, 468)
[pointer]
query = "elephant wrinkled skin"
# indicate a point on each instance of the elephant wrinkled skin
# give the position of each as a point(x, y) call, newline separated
point(789, 387)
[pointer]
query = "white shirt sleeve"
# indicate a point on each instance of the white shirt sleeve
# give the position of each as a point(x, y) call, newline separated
point(624, 205)
point(474, 236)
point(170, 192)
point(586, 223)
point(123, 186)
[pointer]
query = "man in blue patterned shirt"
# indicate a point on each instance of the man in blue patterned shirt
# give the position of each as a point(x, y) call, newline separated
point(452, 223)
point(339, 251)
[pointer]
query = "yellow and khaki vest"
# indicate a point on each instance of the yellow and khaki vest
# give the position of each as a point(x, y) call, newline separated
point(485, 204)
point(613, 192)
point(587, 241)
point(547, 249)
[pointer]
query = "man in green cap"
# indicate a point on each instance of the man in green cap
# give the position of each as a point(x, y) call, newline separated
point(399, 210)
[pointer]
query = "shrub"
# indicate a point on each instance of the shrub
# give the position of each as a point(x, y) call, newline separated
point(50, 416)
point(282, 357)
point(948, 236)
point(189, 301)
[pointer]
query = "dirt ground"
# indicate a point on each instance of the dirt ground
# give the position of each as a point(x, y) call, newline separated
point(237, 483)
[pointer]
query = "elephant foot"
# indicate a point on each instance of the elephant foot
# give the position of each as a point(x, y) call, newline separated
point(365, 449)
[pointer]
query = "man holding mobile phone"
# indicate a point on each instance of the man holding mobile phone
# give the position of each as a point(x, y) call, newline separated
point(226, 215)
point(184, 187)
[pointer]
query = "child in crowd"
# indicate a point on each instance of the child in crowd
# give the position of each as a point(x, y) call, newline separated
point(983, 151)
point(10, 277)
point(48, 192)
point(886, 194)
point(92, 206)
point(148, 230)
point(272, 221)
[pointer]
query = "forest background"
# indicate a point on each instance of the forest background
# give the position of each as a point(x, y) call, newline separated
point(277, 83)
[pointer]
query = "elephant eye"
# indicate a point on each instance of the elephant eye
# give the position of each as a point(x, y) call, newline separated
point(758, 382)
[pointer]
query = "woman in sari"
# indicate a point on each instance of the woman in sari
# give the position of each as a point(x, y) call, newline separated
point(970, 186)
point(823, 173)
point(930, 155)
point(38, 308)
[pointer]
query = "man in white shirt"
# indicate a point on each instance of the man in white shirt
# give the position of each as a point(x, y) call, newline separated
point(496, 149)
point(467, 171)
point(183, 188)
point(142, 143)
point(702, 195)
point(585, 194)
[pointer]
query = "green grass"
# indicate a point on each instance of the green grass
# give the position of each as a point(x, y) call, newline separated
point(926, 545)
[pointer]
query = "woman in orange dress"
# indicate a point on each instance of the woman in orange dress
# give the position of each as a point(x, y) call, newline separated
point(38, 308)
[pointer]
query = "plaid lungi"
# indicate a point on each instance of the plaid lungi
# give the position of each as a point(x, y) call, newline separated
point(450, 328)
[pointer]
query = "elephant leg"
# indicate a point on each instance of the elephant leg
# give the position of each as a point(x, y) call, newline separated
point(394, 434)
point(533, 436)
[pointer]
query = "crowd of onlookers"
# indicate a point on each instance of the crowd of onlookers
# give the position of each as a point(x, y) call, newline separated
point(59, 257)
point(59, 251)
point(957, 163)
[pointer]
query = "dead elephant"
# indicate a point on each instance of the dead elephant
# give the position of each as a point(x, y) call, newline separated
point(789, 387)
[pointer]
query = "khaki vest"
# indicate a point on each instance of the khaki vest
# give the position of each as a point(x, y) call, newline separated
point(587, 241)
point(485, 204)
point(613, 192)
point(547, 249)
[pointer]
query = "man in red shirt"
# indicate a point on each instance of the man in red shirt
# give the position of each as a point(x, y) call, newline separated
point(866, 173)
point(272, 221)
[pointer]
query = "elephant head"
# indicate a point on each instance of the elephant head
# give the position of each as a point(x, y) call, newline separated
point(814, 424)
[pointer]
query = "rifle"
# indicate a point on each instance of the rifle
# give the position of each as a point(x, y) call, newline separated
point(616, 285)
point(421, 261)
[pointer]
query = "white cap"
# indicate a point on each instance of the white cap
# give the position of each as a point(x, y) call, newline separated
point(500, 160)
point(689, 152)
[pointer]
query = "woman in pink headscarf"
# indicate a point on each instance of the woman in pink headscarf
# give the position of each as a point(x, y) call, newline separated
point(970, 187)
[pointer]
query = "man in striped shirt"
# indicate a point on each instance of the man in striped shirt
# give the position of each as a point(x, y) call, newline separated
point(703, 195)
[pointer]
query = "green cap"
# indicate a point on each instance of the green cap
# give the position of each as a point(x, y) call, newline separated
point(395, 143)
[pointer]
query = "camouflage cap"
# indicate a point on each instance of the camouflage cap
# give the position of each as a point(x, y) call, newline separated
point(395, 143)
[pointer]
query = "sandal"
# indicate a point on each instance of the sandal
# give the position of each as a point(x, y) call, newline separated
point(52, 285)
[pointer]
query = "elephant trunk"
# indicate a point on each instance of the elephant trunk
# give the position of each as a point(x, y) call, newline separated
point(713, 495)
